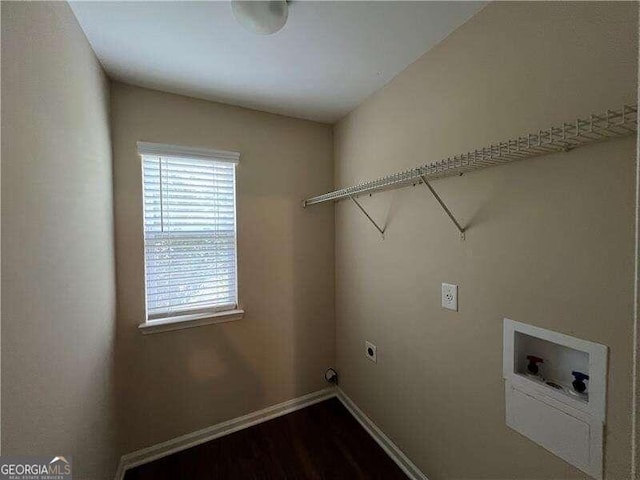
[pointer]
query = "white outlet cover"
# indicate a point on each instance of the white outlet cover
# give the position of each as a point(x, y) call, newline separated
point(370, 351)
point(450, 296)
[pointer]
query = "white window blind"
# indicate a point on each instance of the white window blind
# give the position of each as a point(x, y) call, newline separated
point(189, 230)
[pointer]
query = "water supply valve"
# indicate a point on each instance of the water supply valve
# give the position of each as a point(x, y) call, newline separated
point(533, 368)
point(578, 382)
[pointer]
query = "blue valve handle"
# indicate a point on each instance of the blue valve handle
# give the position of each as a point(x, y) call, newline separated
point(578, 383)
point(579, 376)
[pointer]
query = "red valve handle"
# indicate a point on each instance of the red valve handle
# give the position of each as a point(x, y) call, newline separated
point(534, 359)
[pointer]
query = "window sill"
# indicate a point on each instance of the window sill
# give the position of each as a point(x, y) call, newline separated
point(190, 321)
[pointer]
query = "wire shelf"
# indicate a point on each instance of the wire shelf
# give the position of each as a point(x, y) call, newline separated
point(598, 128)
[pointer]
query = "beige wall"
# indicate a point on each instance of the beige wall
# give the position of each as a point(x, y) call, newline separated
point(550, 243)
point(58, 283)
point(176, 382)
point(550, 240)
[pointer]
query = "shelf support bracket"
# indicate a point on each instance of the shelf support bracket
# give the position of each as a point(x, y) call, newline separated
point(444, 207)
point(381, 230)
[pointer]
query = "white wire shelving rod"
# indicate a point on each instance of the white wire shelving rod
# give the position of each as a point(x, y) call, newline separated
point(597, 128)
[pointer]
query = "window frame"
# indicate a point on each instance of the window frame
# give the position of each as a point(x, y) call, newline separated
point(211, 315)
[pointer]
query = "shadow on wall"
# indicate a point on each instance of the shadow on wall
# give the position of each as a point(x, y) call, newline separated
point(174, 392)
point(285, 278)
point(285, 259)
point(314, 339)
point(469, 214)
point(177, 382)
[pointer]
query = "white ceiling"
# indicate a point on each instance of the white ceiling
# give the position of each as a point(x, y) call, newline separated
point(328, 57)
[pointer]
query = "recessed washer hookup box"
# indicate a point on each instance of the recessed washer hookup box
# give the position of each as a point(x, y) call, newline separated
point(555, 392)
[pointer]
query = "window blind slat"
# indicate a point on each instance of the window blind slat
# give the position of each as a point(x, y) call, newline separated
point(190, 237)
point(212, 254)
point(219, 249)
point(192, 308)
point(170, 293)
point(167, 287)
point(215, 198)
point(179, 162)
point(185, 262)
point(156, 208)
point(189, 270)
point(185, 178)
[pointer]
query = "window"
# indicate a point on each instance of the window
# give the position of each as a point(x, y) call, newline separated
point(189, 232)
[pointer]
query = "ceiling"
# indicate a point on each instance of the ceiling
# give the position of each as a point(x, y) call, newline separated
point(326, 60)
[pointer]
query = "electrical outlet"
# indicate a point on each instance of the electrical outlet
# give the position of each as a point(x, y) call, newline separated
point(450, 296)
point(370, 351)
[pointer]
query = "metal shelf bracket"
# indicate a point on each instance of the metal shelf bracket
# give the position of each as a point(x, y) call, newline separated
point(444, 207)
point(563, 138)
point(381, 230)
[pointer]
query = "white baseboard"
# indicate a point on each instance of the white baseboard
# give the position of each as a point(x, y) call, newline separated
point(391, 449)
point(189, 440)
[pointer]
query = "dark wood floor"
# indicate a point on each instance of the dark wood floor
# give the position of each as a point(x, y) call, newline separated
point(322, 441)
